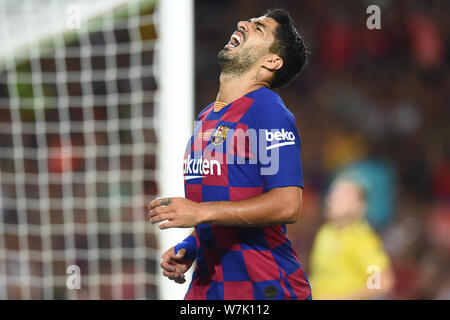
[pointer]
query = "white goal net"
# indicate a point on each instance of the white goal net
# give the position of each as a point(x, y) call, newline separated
point(77, 149)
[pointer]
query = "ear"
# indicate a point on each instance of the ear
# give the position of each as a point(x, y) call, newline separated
point(273, 62)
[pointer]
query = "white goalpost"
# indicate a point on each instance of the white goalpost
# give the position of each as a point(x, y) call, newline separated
point(176, 107)
point(96, 105)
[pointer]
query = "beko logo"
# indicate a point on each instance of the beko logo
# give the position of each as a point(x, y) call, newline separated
point(282, 136)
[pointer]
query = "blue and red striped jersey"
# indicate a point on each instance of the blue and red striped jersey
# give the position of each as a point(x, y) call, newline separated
point(237, 151)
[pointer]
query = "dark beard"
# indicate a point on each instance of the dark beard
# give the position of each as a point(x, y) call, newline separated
point(238, 64)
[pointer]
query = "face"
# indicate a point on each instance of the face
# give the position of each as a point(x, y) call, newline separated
point(248, 44)
point(344, 201)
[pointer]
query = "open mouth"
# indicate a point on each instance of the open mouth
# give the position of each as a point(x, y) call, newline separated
point(235, 40)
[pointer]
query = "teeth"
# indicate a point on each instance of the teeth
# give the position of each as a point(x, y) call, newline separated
point(236, 38)
point(235, 41)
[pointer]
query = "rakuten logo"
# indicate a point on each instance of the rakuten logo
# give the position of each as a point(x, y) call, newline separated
point(287, 136)
point(198, 168)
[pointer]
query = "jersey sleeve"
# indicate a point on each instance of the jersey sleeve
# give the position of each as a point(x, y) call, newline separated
point(278, 156)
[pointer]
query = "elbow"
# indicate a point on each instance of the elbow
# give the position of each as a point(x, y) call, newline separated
point(288, 204)
point(292, 213)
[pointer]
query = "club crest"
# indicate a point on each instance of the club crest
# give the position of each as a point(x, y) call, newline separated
point(220, 135)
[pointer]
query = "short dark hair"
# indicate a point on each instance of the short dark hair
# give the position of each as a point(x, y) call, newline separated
point(289, 45)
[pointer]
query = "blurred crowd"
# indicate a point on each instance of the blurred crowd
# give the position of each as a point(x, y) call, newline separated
point(366, 95)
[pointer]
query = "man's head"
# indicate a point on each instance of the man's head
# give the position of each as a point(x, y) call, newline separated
point(346, 201)
point(268, 46)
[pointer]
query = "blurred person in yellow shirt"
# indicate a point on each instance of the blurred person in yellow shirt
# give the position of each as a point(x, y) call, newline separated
point(348, 260)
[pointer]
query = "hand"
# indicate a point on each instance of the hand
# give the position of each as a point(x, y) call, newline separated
point(180, 212)
point(174, 265)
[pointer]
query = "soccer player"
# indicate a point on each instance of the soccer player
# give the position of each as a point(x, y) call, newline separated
point(243, 174)
point(348, 260)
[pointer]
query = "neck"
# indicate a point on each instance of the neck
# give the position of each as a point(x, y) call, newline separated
point(342, 223)
point(232, 87)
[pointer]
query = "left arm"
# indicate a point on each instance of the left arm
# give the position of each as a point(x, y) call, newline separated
point(387, 281)
point(277, 206)
point(386, 287)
